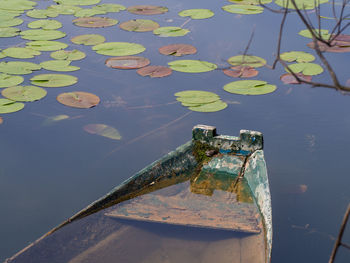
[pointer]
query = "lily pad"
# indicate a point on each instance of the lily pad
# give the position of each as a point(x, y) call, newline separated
point(7, 14)
point(9, 106)
point(127, 62)
point(192, 66)
point(197, 13)
point(78, 99)
point(241, 72)
point(42, 34)
point(18, 67)
point(77, 2)
point(45, 24)
point(301, 4)
point(118, 49)
point(9, 80)
point(110, 8)
point(170, 31)
point(249, 87)
point(58, 65)
point(139, 25)
point(7, 22)
point(178, 50)
point(196, 97)
point(298, 56)
point(103, 130)
point(88, 12)
point(336, 46)
point(290, 79)
point(147, 10)
point(42, 13)
point(24, 93)
point(251, 61)
point(53, 119)
point(243, 9)
point(21, 52)
point(154, 71)
point(308, 69)
point(45, 45)
point(250, 2)
point(9, 31)
point(53, 80)
point(95, 22)
point(1, 120)
point(210, 107)
point(324, 33)
point(17, 5)
point(64, 9)
point(88, 40)
point(68, 55)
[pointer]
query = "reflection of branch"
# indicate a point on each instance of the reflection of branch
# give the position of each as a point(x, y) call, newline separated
point(151, 106)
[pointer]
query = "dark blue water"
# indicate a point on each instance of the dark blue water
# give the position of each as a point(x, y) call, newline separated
point(47, 173)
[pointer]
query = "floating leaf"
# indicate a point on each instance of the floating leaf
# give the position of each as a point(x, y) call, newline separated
point(196, 97)
point(336, 46)
point(24, 93)
point(89, 12)
point(191, 66)
point(170, 31)
point(154, 71)
point(178, 50)
point(249, 87)
point(251, 61)
point(52, 119)
point(301, 4)
point(53, 80)
point(298, 56)
point(1, 120)
point(7, 14)
point(42, 34)
point(9, 106)
point(324, 33)
point(21, 52)
point(58, 65)
point(103, 130)
point(147, 10)
point(78, 99)
point(139, 25)
point(290, 79)
point(95, 22)
point(17, 5)
point(307, 69)
point(45, 24)
point(9, 31)
point(241, 72)
point(250, 2)
point(68, 55)
point(18, 67)
point(110, 8)
point(209, 107)
point(42, 13)
point(44, 45)
point(7, 22)
point(64, 9)
point(127, 62)
point(77, 2)
point(88, 40)
point(9, 80)
point(243, 9)
point(197, 13)
point(118, 49)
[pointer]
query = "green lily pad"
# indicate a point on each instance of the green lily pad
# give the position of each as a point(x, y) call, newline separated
point(78, 99)
point(308, 69)
point(197, 13)
point(298, 56)
point(9, 31)
point(7, 22)
point(68, 55)
point(64, 9)
point(243, 9)
point(250, 2)
point(44, 45)
point(147, 10)
point(88, 12)
point(45, 24)
point(110, 8)
point(42, 13)
point(323, 32)
point(192, 66)
point(58, 65)
point(177, 50)
point(7, 14)
point(210, 107)
point(118, 49)
point(77, 2)
point(24, 93)
point(9, 80)
point(42, 34)
point(301, 4)
point(139, 25)
point(21, 52)
point(103, 130)
point(53, 80)
point(88, 40)
point(251, 61)
point(170, 31)
point(95, 22)
point(18, 67)
point(249, 87)
point(53, 119)
point(17, 5)
point(196, 97)
point(9, 106)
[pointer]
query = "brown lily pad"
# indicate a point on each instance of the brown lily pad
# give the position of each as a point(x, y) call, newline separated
point(95, 22)
point(241, 72)
point(139, 25)
point(147, 10)
point(336, 46)
point(155, 71)
point(127, 62)
point(78, 99)
point(1, 120)
point(290, 79)
point(177, 50)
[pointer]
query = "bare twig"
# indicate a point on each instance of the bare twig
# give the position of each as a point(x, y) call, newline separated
point(280, 38)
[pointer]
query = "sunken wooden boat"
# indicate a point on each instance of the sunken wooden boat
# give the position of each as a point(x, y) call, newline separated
point(209, 200)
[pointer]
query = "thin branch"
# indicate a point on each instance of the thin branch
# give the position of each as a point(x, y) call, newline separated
point(280, 38)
